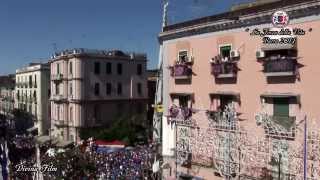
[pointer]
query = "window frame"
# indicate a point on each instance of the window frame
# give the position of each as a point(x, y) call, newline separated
point(96, 89)
point(119, 89)
point(109, 68)
point(119, 68)
point(139, 69)
point(108, 89)
point(224, 45)
point(97, 68)
point(182, 50)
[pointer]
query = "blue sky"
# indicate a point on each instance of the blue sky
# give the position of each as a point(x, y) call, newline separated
point(30, 29)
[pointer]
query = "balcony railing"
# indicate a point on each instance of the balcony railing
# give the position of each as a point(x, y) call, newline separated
point(60, 123)
point(181, 71)
point(57, 77)
point(224, 69)
point(286, 122)
point(180, 112)
point(58, 98)
point(284, 126)
point(219, 120)
point(280, 67)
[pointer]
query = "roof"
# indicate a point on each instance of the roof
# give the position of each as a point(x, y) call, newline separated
point(235, 13)
point(243, 17)
point(97, 53)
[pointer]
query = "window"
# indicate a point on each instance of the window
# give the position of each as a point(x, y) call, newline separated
point(58, 112)
point(119, 68)
point(71, 116)
point(183, 101)
point(30, 81)
point(119, 89)
point(109, 68)
point(281, 107)
point(183, 56)
point(35, 81)
point(139, 88)
point(35, 111)
point(225, 100)
point(58, 68)
point(35, 96)
point(97, 68)
point(57, 89)
point(139, 69)
point(225, 51)
point(108, 88)
point(70, 68)
point(70, 89)
point(97, 89)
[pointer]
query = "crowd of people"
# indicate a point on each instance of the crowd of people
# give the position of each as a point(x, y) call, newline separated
point(24, 142)
point(130, 164)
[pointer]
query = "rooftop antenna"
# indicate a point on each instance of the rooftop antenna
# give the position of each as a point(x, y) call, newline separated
point(165, 13)
point(54, 45)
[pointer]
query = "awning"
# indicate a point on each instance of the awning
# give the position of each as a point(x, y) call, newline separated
point(271, 47)
point(42, 139)
point(226, 93)
point(34, 128)
point(281, 95)
point(181, 94)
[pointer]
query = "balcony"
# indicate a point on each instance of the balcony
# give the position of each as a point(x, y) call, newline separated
point(219, 120)
point(58, 98)
point(57, 77)
point(280, 67)
point(224, 69)
point(280, 126)
point(181, 116)
point(181, 71)
point(60, 123)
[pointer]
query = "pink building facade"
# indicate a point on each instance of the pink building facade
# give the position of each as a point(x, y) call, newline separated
point(213, 63)
point(93, 88)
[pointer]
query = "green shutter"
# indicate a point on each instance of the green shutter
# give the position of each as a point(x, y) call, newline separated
point(281, 107)
point(225, 51)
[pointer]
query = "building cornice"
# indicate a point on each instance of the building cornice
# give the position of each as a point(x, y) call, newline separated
point(218, 23)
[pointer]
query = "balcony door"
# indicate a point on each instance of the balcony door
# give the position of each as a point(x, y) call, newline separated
point(225, 100)
point(281, 107)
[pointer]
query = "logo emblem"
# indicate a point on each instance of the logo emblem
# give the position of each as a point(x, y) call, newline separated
point(280, 19)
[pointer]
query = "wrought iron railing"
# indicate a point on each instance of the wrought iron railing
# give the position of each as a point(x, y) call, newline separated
point(280, 65)
point(181, 71)
point(180, 112)
point(224, 68)
point(57, 77)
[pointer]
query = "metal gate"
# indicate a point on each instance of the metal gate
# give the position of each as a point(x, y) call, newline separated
point(288, 149)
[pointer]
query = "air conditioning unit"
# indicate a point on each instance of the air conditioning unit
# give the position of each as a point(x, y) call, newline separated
point(234, 54)
point(190, 59)
point(260, 54)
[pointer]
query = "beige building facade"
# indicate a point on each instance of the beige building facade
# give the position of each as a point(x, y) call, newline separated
point(32, 94)
point(93, 88)
point(214, 69)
